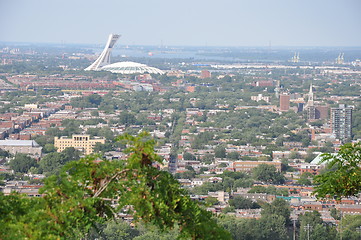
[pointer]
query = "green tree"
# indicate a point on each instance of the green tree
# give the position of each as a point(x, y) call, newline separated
point(350, 227)
point(243, 203)
point(94, 113)
point(227, 183)
point(336, 214)
point(233, 155)
point(48, 148)
point(4, 154)
point(243, 183)
point(106, 147)
point(346, 179)
point(272, 227)
point(53, 162)
point(189, 156)
point(277, 207)
point(71, 154)
point(311, 224)
point(267, 228)
point(114, 230)
point(207, 158)
point(304, 179)
point(82, 195)
point(126, 118)
point(268, 173)
point(22, 163)
point(210, 201)
point(220, 152)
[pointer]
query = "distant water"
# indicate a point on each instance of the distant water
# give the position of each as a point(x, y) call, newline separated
point(168, 53)
point(241, 54)
point(228, 54)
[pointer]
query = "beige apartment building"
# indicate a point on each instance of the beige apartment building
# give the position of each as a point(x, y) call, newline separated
point(82, 143)
point(247, 166)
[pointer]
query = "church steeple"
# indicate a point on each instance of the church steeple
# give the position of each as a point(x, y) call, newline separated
point(310, 96)
point(310, 107)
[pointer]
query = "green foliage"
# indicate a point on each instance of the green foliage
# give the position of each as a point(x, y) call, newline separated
point(336, 214)
point(277, 207)
point(269, 227)
point(53, 162)
point(185, 175)
point(350, 227)
point(81, 196)
point(106, 147)
point(210, 201)
point(153, 233)
point(243, 203)
point(346, 179)
point(105, 132)
point(228, 209)
point(268, 173)
point(220, 152)
point(94, 113)
point(17, 212)
point(243, 183)
point(126, 118)
point(304, 179)
point(189, 156)
point(316, 228)
point(235, 175)
point(233, 155)
point(48, 148)
point(206, 187)
point(202, 139)
point(207, 158)
point(4, 153)
point(91, 101)
point(113, 230)
point(22, 163)
point(269, 190)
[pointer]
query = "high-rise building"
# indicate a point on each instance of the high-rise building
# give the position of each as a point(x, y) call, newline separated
point(284, 102)
point(341, 122)
point(321, 112)
point(104, 58)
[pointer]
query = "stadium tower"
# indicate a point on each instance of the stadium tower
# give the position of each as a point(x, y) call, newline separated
point(104, 58)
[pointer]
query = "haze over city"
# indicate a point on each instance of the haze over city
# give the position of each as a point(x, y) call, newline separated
point(211, 120)
point(195, 23)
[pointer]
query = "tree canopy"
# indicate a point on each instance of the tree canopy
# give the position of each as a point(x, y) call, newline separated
point(268, 173)
point(346, 179)
point(22, 163)
point(84, 191)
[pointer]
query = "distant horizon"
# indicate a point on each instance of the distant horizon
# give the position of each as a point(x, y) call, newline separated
point(323, 23)
point(166, 46)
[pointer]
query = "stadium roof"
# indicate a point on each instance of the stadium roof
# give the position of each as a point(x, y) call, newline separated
point(130, 68)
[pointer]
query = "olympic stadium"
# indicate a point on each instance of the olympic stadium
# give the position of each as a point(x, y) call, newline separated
point(102, 63)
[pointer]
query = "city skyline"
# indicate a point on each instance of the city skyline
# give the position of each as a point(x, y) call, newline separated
point(186, 23)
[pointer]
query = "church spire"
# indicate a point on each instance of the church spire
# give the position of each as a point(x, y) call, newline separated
point(310, 96)
point(310, 107)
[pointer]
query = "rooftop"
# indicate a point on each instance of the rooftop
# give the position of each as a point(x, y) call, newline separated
point(18, 143)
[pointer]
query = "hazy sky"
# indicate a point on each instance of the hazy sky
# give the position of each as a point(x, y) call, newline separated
point(184, 22)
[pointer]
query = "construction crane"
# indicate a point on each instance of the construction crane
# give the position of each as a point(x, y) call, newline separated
point(340, 59)
point(295, 58)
